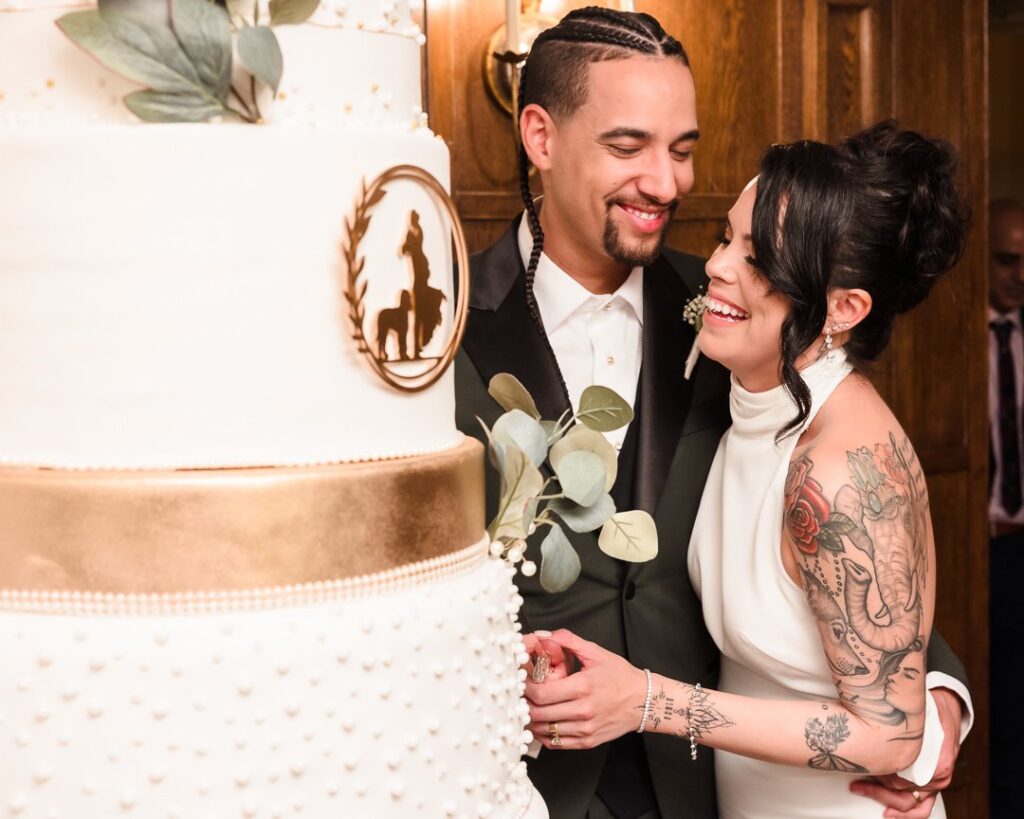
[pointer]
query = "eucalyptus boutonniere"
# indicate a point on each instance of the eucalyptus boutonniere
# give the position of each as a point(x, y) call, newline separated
point(693, 313)
point(182, 51)
point(583, 466)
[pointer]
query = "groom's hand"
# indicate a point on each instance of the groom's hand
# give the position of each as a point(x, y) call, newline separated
point(897, 793)
point(600, 702)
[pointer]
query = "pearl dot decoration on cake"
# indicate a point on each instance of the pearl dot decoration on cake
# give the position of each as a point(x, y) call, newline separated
point(459, 617)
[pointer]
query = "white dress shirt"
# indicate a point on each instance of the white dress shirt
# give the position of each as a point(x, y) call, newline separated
point(597, 339)
point(996, 513)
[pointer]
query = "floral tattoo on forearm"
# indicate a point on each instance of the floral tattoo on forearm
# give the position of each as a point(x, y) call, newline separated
point(824, 738)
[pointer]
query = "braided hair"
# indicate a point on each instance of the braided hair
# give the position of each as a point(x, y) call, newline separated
point(555, 77)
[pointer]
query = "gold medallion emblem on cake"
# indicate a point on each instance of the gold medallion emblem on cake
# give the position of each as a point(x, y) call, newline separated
point(397, 285)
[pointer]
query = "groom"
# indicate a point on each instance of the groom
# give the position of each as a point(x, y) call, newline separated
point(608, 117)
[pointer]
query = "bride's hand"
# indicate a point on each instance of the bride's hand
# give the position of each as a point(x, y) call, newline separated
point(539, 643)
point(597, 704)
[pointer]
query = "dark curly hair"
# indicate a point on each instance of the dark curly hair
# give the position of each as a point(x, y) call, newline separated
point(879, 211)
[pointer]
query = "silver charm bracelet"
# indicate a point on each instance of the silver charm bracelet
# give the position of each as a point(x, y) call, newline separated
point(689, 724)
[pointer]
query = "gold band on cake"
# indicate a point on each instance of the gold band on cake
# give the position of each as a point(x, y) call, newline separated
point(160, 532)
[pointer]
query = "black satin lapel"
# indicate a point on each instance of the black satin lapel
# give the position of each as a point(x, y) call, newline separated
point(495, 269)
point(663, 392)
point(501, 336)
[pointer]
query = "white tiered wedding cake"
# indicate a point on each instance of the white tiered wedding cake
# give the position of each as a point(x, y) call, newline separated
point(240, 574)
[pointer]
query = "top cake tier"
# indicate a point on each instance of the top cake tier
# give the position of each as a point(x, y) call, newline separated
point(194, 295)
point(353, 62)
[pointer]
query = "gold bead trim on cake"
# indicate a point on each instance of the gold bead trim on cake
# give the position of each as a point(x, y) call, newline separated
point(153, 532)
point(235, 600)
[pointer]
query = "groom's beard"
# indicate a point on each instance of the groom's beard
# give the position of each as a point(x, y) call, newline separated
point(639, 254)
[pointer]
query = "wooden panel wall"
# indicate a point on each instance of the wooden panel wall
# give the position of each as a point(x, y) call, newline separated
point(937, 365)
point(1006, 91)
point(779, 70)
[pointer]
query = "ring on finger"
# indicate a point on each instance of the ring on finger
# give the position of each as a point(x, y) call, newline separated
point(918, 796)
point(556, 740)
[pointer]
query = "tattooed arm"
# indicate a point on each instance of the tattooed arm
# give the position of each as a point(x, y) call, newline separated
point(859, 540)
point(605, 700)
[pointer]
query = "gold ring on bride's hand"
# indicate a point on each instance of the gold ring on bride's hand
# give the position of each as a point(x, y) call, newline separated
point(918, 796)
point(553, 733)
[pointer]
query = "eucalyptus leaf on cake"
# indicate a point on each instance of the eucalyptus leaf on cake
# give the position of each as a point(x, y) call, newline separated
point(182, 51)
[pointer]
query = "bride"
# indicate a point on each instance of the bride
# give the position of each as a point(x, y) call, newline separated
point(813, 550)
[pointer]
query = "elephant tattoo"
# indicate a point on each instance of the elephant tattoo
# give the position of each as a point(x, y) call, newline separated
point(881, 504)
point(883, 514)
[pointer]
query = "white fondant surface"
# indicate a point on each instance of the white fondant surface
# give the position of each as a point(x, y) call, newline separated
point(354, 62)
point(400, 704)
point(172, 296)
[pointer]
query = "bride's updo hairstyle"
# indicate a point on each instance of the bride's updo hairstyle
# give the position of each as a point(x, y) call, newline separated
point(879, 212)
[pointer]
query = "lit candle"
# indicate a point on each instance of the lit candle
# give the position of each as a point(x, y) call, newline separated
point(512, 26)
point(626, 5)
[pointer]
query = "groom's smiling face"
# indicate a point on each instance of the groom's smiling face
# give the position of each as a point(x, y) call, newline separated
point(619, 164)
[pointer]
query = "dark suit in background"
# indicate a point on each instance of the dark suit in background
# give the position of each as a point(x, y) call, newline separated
point(1005, 567)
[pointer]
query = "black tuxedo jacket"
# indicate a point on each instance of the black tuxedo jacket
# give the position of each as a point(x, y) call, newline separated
point(647, 612)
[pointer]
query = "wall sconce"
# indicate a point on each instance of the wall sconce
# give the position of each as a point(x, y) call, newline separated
point(504, 56)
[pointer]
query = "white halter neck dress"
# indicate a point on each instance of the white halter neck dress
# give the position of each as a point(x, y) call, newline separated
point(756, 613)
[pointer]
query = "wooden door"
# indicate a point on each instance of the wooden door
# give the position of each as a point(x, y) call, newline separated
point(779, 70)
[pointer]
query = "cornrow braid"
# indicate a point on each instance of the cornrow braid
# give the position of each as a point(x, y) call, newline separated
point(558, 61)
point(616, 19)
point(531, 215)
point(608, 36)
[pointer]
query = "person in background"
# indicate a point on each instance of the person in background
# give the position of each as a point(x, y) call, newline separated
point(1006, 500)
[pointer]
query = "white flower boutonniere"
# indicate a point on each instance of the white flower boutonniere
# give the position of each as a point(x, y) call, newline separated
point(693, 313)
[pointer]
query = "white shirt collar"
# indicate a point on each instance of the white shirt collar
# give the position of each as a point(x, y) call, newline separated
point(559, 295)
point(1013, 316)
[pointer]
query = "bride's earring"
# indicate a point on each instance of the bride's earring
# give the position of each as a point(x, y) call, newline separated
point(830, 343)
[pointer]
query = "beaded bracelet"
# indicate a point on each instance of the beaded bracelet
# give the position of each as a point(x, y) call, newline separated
point(689, 724)
point(647, 703)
